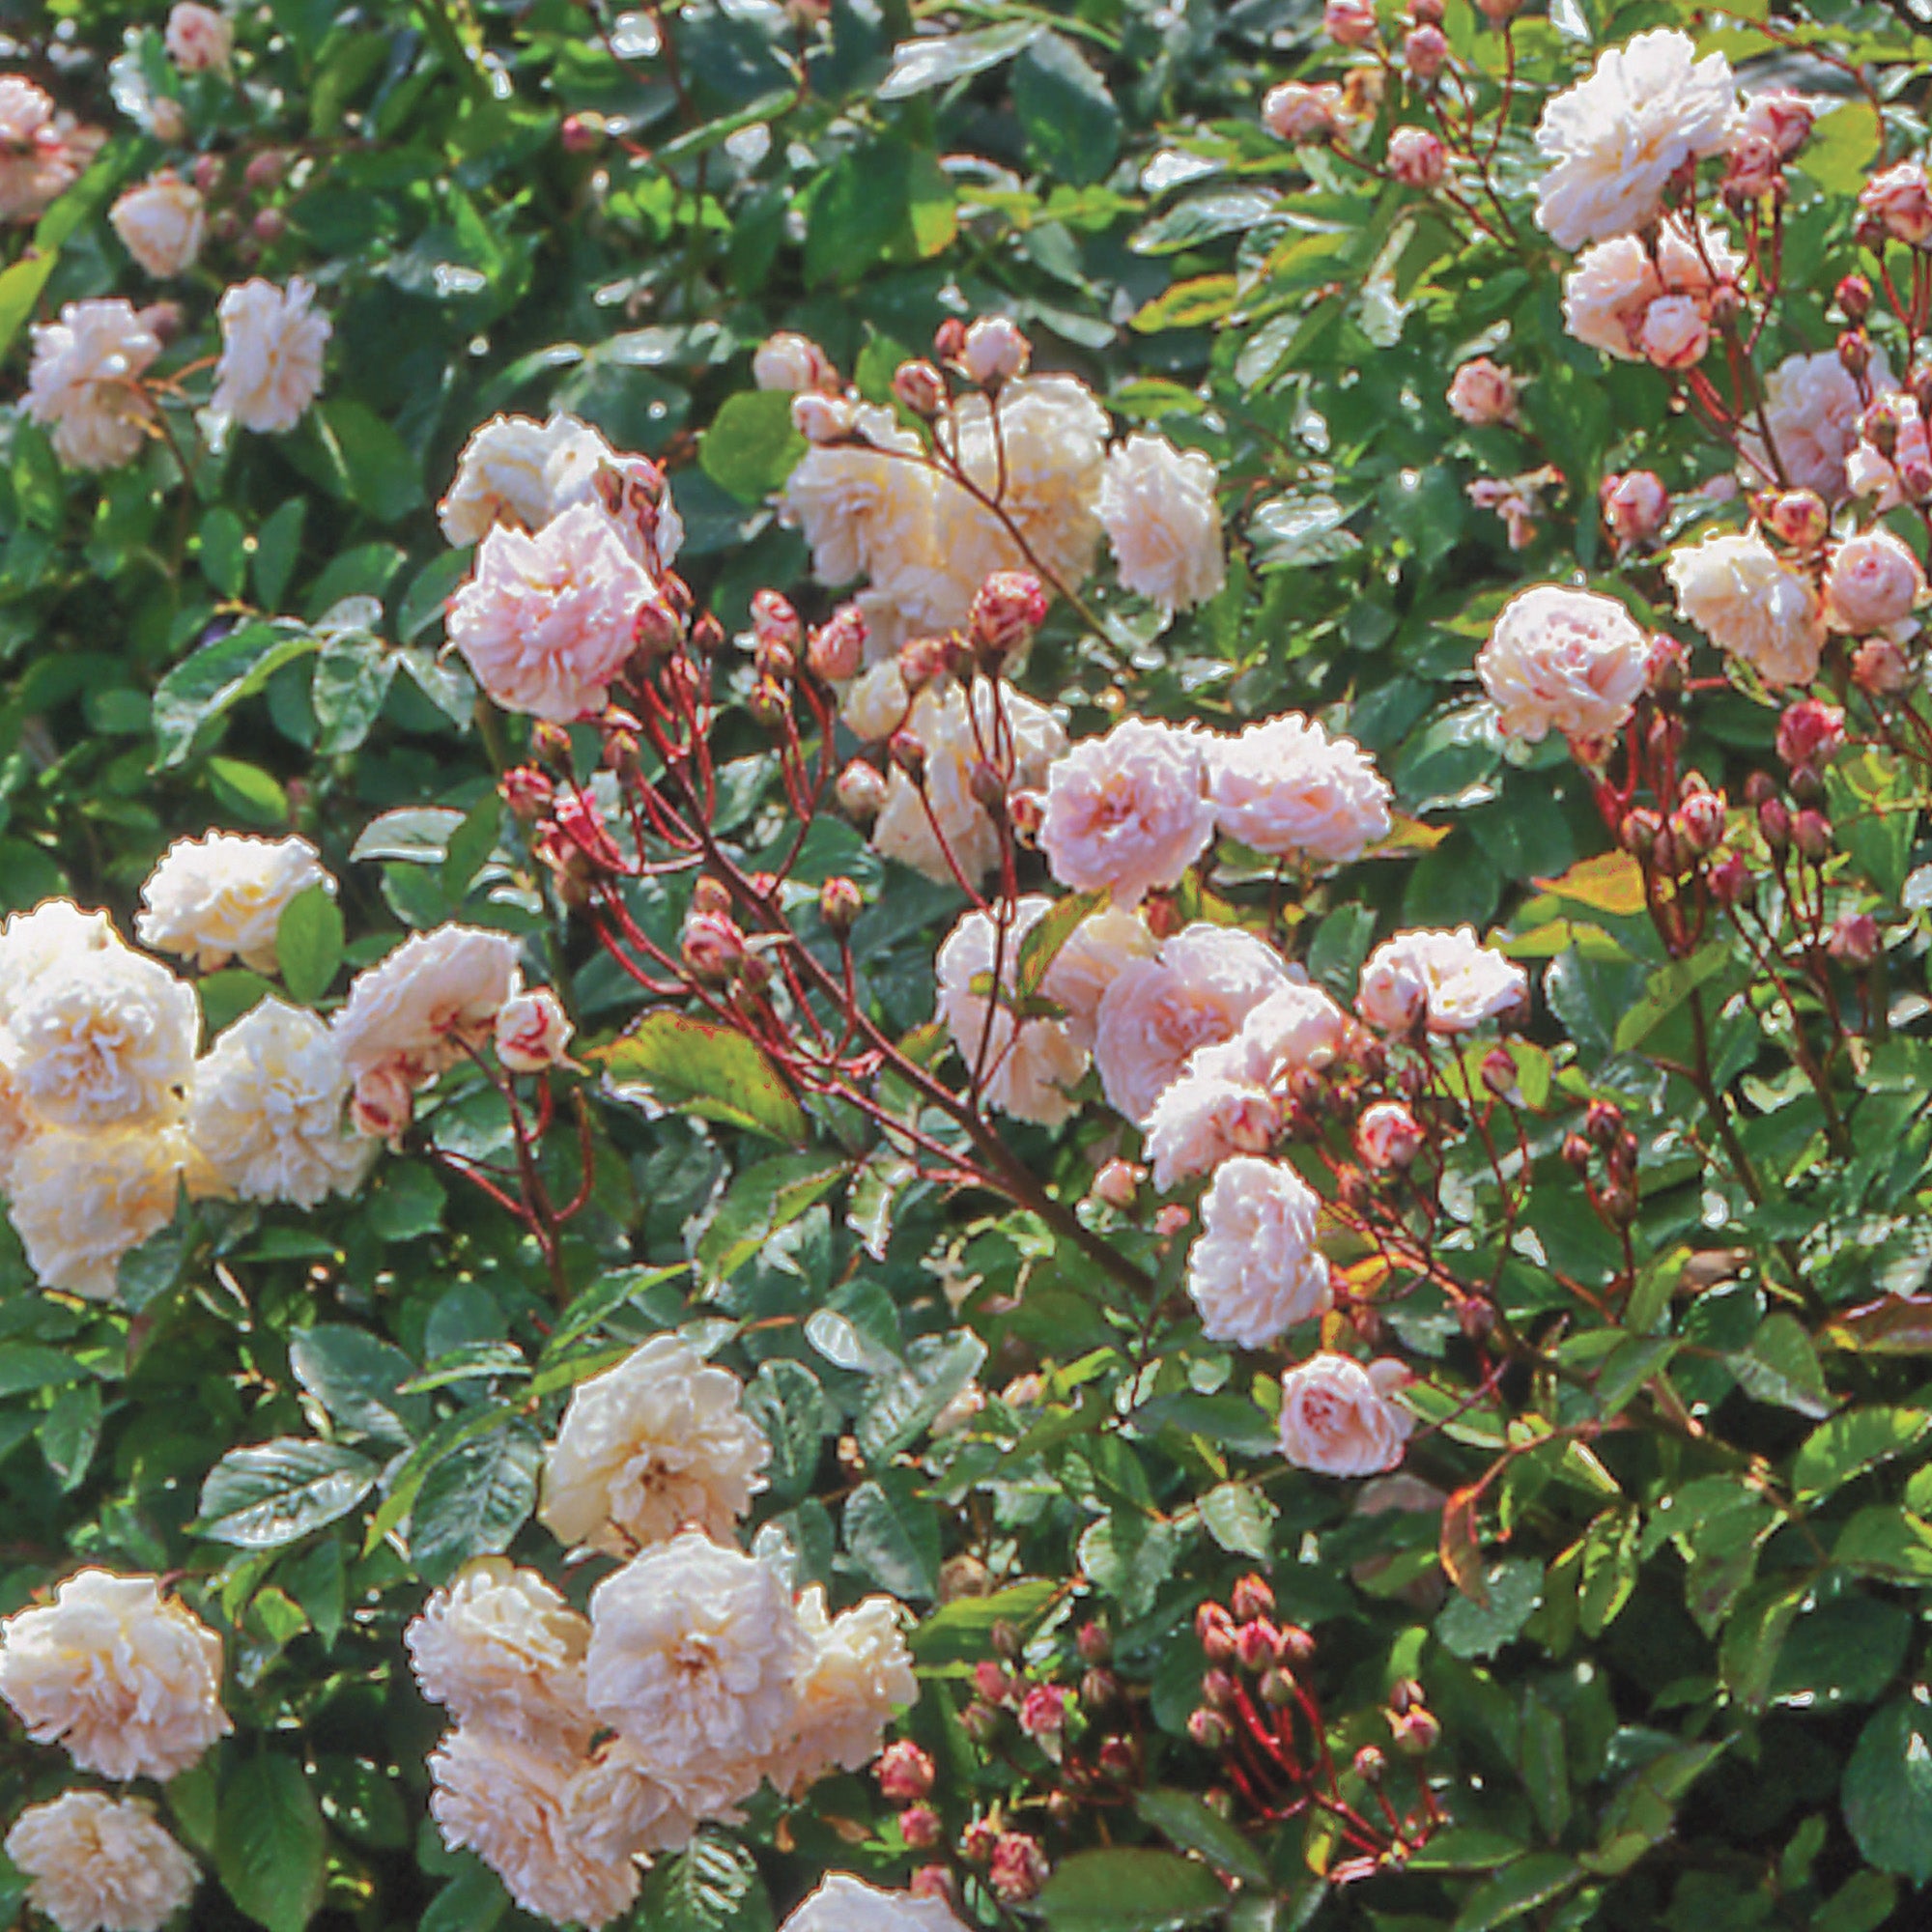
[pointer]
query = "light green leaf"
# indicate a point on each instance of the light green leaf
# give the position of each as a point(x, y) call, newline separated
point(270, 1842)
point(1129, 1889)
point(309, 939)
point(707, 1069)
point(751, 448)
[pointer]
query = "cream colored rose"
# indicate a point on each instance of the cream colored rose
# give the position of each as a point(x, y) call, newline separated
point(1874, 583)
point(512, 1805)
point(266, 1110)
point(160, 224)
point(437, 993)
point(845, 499)
point(1446, 979)
point(660, 1442)
point(843, 1903)
point(107, 1041)
point(1195, 993)
point(84, 386)
point(1096, 953)
point(532, 1030)
point(1812, 408)
point(1561, 660)
point(1608, 293)
point(875, 703)
point(1129, 813)
point(81, 1200)
point(858, 1677)
point(46, 940)
point(129, 1681)
point(1752, 605)
point(1158, 508)
point(96, 1864)
point(1616, 138)
point(694, 1660)
point(1023, 1066)
point(1202, 1119)
point(222, 898)
point(501, 1651)
point(509, 472)
point(1295, 1030)
point(1256, 1271)
point(270, 365)
point(1286, 787)
point(1340, 1419)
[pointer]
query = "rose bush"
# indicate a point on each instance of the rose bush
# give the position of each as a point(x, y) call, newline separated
point(964, 967)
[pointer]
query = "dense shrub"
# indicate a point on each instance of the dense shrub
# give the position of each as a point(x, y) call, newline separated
point(965, 969)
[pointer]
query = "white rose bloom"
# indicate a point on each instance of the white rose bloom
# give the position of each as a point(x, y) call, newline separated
point(436, 993)
point(1158, 507)
point(107, 1041)
point(509, 472)
point(501, 1651)
point(1616, 138)
point(129, 1681)
point(1608, 294)
point(858, 1678)
point(617, 1810)
point(942, 723)
point(789, 362)
point(198, 38)
point(96, 1864)
point(1812, 408)
point(83, 384)
point(1448, 979)
point(875, 703)
point(46, 940)
point(1295, 1030)
point(1255, 1272)
point(845, 499)
point(222, 898)
point(1286, 787)
point(843, 1903)
point(82, 1201)
point(1566, 661)
point(266, 1110)
point(1097, 951)
point(1341, 1419)
point(1196, 991)
point(1752, 605)
point(270, 366)
point(695, 1652)
point(511, 1805)
point(1128, 811)
point(659, 1441)
point(1202, 1118)
point(160, 224)
point(1024, 1067)
point(37, 160)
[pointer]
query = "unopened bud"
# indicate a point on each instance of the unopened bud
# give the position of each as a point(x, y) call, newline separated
point(1276, 1687)
point(1880, 667)
point(1370, 1765)
point(1854, 351)
point(1008, 608)
point(1117, 1184)
point(1577, 1152)
point(861, 791)
point(269, 224)
point(1796, 517)
point(1119, 1759)
point(1729, 880)
point(206, 173)
point(949, 339)
point(262, 172)
point(526, 792)
point(767, 703)
point(1415, 1731)
point(1476, 1316)
point(1498, 1071)
point(1099, 1687)
point(712, 947)
point(1773, 821)
point(1424, 50)
point(839, 904)
point(1639, 828)
point(924, 660)
point(994, 351)
point(1209, 1729)
point(1854, 298)
point(1094, 1642)
point(1855, 939)
point(582, 133)
point(1811, 834)
point(919, 388)
point(905, 1772)
point(1254, 1646)
point(1005, 1638)
point(1294, 1646)
point(836, 648)
point(920, 1827)
point(776, 620)
point(1699, 820)
point(907, 752)
point(988, 790)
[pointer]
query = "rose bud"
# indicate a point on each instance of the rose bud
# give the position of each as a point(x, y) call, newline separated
point(532, 1030)
point(920, 387)
point(774, 619)
point(1415, 1731)
point(977, 1841)
point(1388, 1136)
point(1094, 1642)
point(1026, 812)
point(1498, 1071)
point(1854, 298)
point(919, 1827)
point(767, 702)
point(1370, 1765)
point(908, 753)
point(1639, 830)
point(1666, 665)
point(1417, 158)
point(981, 1723)
point(994, 351)
point(1300, 112)
point(1698, 823)
point(1214, 1630)
point(1118, 1760)
point(1424, 50)
point(1254, 1646)
point(382, 1104)
point(934, 1881)
point(949, 339)
point(1796, 517)
point(1476, 1316)
point(992, 1680)
point(839, 904)
point(1008, 608)
point(712, 946)
point(582, 133)
point(206, 173)
point(1603, 1122)
point(1019, 1869)
point(923, 661)
point(1349, 23)
point(1811, 834)
point(1499, 13)
point(1251, 1597)
point(1729, 880)
point(1855, 351)
point(1294, 1646)
point(1577, 1152)
point(905, 1772)
point(1116, 1185)
point(1855, 939)
point(861, 791)
point(1773, 822)
point(1482, 392)
point(1635, 506)
point(1880, 667)
point(836, 648)
point(822, 418)
point(1808, 732)
point(1218, 1688)
point(1170, 1219)
point(1209, 1729)
point(1044, 1712)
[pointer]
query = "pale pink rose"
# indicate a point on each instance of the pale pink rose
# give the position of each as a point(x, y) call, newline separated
point(1675, 334)
point(383, 1103)
point(1256, 1270)
point(1159, 510)
point(1416, 159)
point(995, 352)
point(1481, 392)
point(1201, 1120)
point(1387, 1135)
point(1302, 111)
point(1618, 138)
point(1023, 1066)
point(1127, 812)
point(1566, 661)
point(1608, 293)
point(1752, 605)
point(1349, 23)
point(1781, 117)
point(823, 419)
point(1874, 582)
point(427, 1004)
point(1448, 981)
point(1812, 407)
point(1286, 787)
point(1196, 991)
point(270, 365)
point(1295, 1030)
point(37, 161)
point(160, 224)
point(1635, 506)
point(532, 1030)
point(1901, 198)
point(1339, 1418)
point(547, 621)
point(1696, 261)
point(792, 364)
point(1883, 477)
point(1099, 948)
point(198, 38)
point(84, 384)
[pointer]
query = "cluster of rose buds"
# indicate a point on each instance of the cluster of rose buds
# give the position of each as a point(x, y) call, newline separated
point(1606, 1135)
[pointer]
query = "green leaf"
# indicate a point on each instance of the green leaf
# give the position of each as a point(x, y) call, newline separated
point(220, 676)
point(277, 545)
point(1887, 1790)
point(936, 61)
point(711, 1885)
point(1468, 1629)
point(786, 1400)
point(901, 1403)
point(1852, 1442)
point(309, 939)
point(1072, 128)
point(1129, 1889)
point(759, 1202)
point(472, 1902)
point(1781, 1367)
point(357, 1377)
point(21, 288)
point(224, 556)
point(474, 1500)
point(248, 790)
point(351, 678)
point(379, 473)
point(958, 1631)
point(1533, 1879)
point(709, 1070)
point(751, 448)
point(1182, 1818)
point(28, 1365)
point(892, 1534)
point(1239, 1519)
point(269, 1843)
point(1045, 938)
point(274, 1492)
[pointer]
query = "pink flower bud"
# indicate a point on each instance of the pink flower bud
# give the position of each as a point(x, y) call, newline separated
point(1417, 158)
point(774, 619)
point(1300, 112)
point(905, 1773)
point(1754, 171)
point(839, 904)
point(1415, 1731)
point(1424, 51)
point(582, 133)
point(1901, 200)
point(1796, 517)
point(1388, 1136)
point(383, 1103)
point(1481, 392)
point(1170, 1219)
point(1782, 117)
point(1879, 666)
point(1853, 939)
point(1208, 1729)
point(1094, 1642)
point(1811, 834)
point(1699, 820)
point(713, 947)
point(1019, 1869)
point(992, 1681)
point(1809, 732)
point(1117, 1184)
point(994, 351)
point(1675, 333)
point(526, 791)
point(1349, 23)
point(1635, 506)
point(838, 647)
point(949, 339)
point(1853, 299)
point(1214, 1630)
point(861, 791)
point(269, 224)
point(208, 171)
point(1254, 1646)
point(920, 387)
point(933, 1881)
point(1499, 13)
point(1729, 880)
point(1370, 1765)
point(1043, 1711)
point(920, 1827)
point(924, 660)
point(822, 418)
point(532, 1030)
point(977, 1841)
point(1008, 608)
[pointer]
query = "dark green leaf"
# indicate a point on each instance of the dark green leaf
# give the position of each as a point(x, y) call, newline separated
point(270, 1842)
point(274, 1492)
point(1129, 1889)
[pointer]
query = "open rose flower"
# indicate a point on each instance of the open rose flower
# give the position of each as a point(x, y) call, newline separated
point(1752, 605)
point(160, 224)
point(1201, 1120)
point(1340, 1419)
point(1129, 813)
point(1874, 582)
point(1288, 789)
point(1566, 661)
point(84, 386)
point(1444, 980)
point(1157, 504)
point(269, 369)
point(1256, 1270)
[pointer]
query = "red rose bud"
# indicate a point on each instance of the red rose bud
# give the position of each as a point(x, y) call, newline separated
point(1424, 51)
point(1215, 1628)
point(1219, 1689)
point(1639, 828)
point(1854, 298)
point(1115, 1186)
point(1025, 813)
point(1699, 821)
point(528, 793)
point(839, 904)
point(1880, 667)
point(1811, 834)
point(1498, 1071)
point(1796, 517)
point(905, 1772)
point(773, 618)
point(1118, 1760)
point(1370, 1765)
point(949, 339)
point(1019, 1869)
point(1254, 1646)
point(1666, 666)
point(920, 387)
point(1043, 1711)
point(206, 173)
point(1251, 1597)
point(838, 647)
point(1293, 1645)
point(923, 661)
point(1099, 1687)
point(1415, 1731)
point(1809, 732)
point(920, 1827)
point(1729, 880)
point(713, 947)
point(1008, 608)
point(1577, 1152)
point(934, 1881)
point(1209, 1729)
point(977, 1841)
point(1854, 351)
point(1855, 939)
point(1773, 821)
point(1603, 1121)
point(1094, 1642)
point(582, 133)
point(993, 1681)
